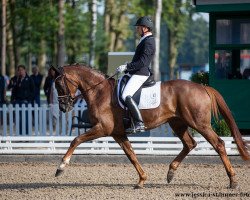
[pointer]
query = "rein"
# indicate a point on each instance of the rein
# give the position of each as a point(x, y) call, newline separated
point(92, 87)
point(73, 99)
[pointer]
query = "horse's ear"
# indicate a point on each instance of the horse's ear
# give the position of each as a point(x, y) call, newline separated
point(57, 71)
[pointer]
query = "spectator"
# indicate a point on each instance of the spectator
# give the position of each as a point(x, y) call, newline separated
point(37, 79)
point(2, 91)
point(246, 73)
point(2, 96)
point(48, 84)
point(54, 104)
point(23, 92)
point(12, 84)
point(7, 81)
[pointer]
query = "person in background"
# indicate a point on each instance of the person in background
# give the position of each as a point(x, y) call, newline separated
point(48, 84)
point(7, 80)
point(2, 96)
point(53, 101)
point(2, 90)
point(246, 74)
point(24, 91)
point(37, 79)
point(12, 84)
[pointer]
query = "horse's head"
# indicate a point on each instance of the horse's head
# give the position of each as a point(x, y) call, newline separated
point(66, 89)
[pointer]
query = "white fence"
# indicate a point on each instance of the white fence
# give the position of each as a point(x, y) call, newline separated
point(35, 120)
point(106, 145)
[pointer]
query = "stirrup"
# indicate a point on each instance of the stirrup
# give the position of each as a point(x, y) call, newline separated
point(139, 127)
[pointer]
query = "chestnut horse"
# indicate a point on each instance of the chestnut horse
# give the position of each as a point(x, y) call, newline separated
point(183, 104)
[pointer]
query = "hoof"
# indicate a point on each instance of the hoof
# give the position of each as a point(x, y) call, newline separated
point(170, 175)
point(233, 185)
point(58, 172)
point(138, 187)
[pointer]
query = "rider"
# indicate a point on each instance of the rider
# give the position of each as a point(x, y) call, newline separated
point(139, 69)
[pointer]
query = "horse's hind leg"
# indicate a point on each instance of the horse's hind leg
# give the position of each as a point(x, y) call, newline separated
point(127, 148)
point(219, 146)
point(181, 130)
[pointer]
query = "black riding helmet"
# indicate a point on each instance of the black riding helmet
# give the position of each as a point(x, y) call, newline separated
point(145, 21)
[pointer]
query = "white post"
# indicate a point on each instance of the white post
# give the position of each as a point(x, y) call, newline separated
point(4, 120)
point(17, 113)
point(40, 114)
point(44, 120)
point(64, 124)
point(30, 108)
point(36, 119)
point(11, 122)
point(23, 119)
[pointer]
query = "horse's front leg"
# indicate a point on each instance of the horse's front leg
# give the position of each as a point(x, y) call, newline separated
point(92, 134)
point(126, 146)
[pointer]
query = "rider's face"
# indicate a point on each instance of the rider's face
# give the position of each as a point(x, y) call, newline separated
point(141, 29)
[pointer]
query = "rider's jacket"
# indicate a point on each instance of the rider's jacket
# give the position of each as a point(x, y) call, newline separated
point(144, 54)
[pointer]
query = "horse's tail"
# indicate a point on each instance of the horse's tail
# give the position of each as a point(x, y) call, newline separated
point(218, 103)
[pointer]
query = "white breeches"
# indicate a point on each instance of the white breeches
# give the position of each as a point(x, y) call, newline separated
point(134, 83)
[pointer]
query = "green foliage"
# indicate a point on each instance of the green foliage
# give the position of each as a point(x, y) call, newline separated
point(33, 21)
point(175, 15)
point(221, 128)
point(76, 32)
point(34, 25)
point(143, 7)
point(200, 77)
point(194, 49)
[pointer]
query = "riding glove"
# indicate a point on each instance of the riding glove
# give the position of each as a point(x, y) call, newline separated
point(121, 68)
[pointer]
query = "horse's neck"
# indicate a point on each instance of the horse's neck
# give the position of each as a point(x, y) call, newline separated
point(92, 79)
point(98, 96)
point(94, 87)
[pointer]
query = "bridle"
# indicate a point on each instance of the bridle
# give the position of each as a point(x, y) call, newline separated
point(67, 99)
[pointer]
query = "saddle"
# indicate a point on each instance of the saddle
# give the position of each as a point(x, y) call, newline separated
point(122, 83)
point(146, 97)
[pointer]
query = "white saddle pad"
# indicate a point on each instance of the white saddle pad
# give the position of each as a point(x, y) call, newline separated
point(150, 97)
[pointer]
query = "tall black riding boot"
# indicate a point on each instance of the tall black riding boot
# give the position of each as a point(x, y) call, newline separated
point(136, 115)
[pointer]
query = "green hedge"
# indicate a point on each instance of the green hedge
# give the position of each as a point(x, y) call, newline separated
point(200, 77)
point(220, 127)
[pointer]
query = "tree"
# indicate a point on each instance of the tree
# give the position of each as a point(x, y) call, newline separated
point(195, 48)
point(156, 63)
point(175, 15)
point(61, 42)
point(116, 23)
point(10, 51)
point(13, 50)
point(93, 11)
point(31, 35)
point(77, 33)
point(3, 55)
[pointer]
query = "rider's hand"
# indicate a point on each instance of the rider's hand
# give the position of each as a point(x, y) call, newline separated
point(121, 68)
